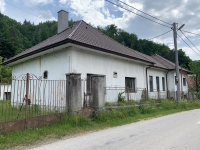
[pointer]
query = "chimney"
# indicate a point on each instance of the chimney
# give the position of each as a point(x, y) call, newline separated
point(62, 20)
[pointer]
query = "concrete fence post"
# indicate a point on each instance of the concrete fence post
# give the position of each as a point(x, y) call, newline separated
point(98, 91)
point(73, 92)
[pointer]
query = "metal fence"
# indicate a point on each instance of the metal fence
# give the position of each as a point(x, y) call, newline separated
point(31, 101)
point(116, 93)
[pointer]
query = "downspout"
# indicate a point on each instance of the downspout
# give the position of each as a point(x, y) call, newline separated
point(167, 84)
point(147, 82)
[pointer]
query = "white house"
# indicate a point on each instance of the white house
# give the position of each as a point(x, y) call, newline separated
point(5, 91)
point(83, 49)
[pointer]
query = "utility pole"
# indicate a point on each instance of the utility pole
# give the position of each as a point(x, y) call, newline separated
point(177, 64)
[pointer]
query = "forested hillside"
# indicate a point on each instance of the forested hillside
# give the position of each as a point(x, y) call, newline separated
point(16, 37)
point(144, 46)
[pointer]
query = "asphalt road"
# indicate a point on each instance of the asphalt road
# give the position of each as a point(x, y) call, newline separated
point(178, 132)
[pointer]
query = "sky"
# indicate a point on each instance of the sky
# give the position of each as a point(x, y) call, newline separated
point(102, 13)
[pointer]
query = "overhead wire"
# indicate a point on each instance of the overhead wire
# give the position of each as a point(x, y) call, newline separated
point(137, 14)
point(143, 12)
point(189, 40)
point(160, 35)
point(188, 44)
point(190, 32)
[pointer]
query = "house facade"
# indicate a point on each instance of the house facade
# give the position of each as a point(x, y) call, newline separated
point(83, 49)
point(5, 91)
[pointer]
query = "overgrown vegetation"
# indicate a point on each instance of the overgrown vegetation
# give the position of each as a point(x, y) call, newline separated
point(103, 119)
point(17, 112)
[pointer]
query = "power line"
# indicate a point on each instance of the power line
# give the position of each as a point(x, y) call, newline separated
point(190, 32)
point(187, 44)
point(190, 41)
point(144, 12)
point(136, 13)
point(160, 35)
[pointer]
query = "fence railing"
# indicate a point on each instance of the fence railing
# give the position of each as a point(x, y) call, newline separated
point(30, 100)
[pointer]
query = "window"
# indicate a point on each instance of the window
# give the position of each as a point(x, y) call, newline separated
point(151, 83)
point(115, 74)
point(163, 83)
point(45, 74)
point(157, 84)
point(130, 84)
point(175, 80)
point(184, 82)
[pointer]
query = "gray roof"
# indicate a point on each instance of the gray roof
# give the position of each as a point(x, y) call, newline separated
point(168, 64)
point(82, 34)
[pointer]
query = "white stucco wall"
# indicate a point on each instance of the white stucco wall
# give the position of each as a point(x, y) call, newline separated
point(154, 72)
point(172, 87)
point(86, 61)
point(4, 88)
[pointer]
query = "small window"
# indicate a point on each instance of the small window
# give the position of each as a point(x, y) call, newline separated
point(151, 83)
point(157, 84)
point(115, 74)
point(130, 84)
point(45, 74)
point(163, 83)
point(175, 80)
point(184, 82)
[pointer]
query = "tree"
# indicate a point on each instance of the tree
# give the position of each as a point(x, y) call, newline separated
point(195, 68)
point(5, 73)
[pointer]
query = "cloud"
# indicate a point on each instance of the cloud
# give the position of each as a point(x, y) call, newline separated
point(45, 16)
point(194, 54)
point(39, 2)
point(63, 1)
point(2, 6)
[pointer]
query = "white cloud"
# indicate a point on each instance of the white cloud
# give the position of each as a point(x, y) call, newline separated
point(193, 54)
point(45, 16)
point(37, 2)
point(96, 12)
point(2, 6)
point(63, 1)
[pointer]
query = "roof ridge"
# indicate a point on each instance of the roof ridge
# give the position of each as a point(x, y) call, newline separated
point(72, 33)
point(159, 61)
point(165, 59)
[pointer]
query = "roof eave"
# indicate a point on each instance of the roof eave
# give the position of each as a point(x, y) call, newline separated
point(73, 42)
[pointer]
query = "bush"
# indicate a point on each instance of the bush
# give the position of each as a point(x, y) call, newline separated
point(121, 98)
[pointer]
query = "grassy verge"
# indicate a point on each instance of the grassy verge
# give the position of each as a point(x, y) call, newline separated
point(104, 119)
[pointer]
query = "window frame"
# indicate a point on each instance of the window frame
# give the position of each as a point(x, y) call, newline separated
point(151, 83)
point(184, 81)
point(157, 83)
point(163, 83)
point(133, 84)
point(45, 74)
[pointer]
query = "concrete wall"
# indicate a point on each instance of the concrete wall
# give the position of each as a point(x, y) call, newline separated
point(88, 62)
point(172, 87)
point(154, 72)
point(5, 89)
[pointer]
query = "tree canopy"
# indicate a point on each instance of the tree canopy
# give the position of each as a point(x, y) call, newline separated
point(195, 68)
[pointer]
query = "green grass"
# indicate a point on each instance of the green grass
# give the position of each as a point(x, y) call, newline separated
point(9, 112)
point(104, 119)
